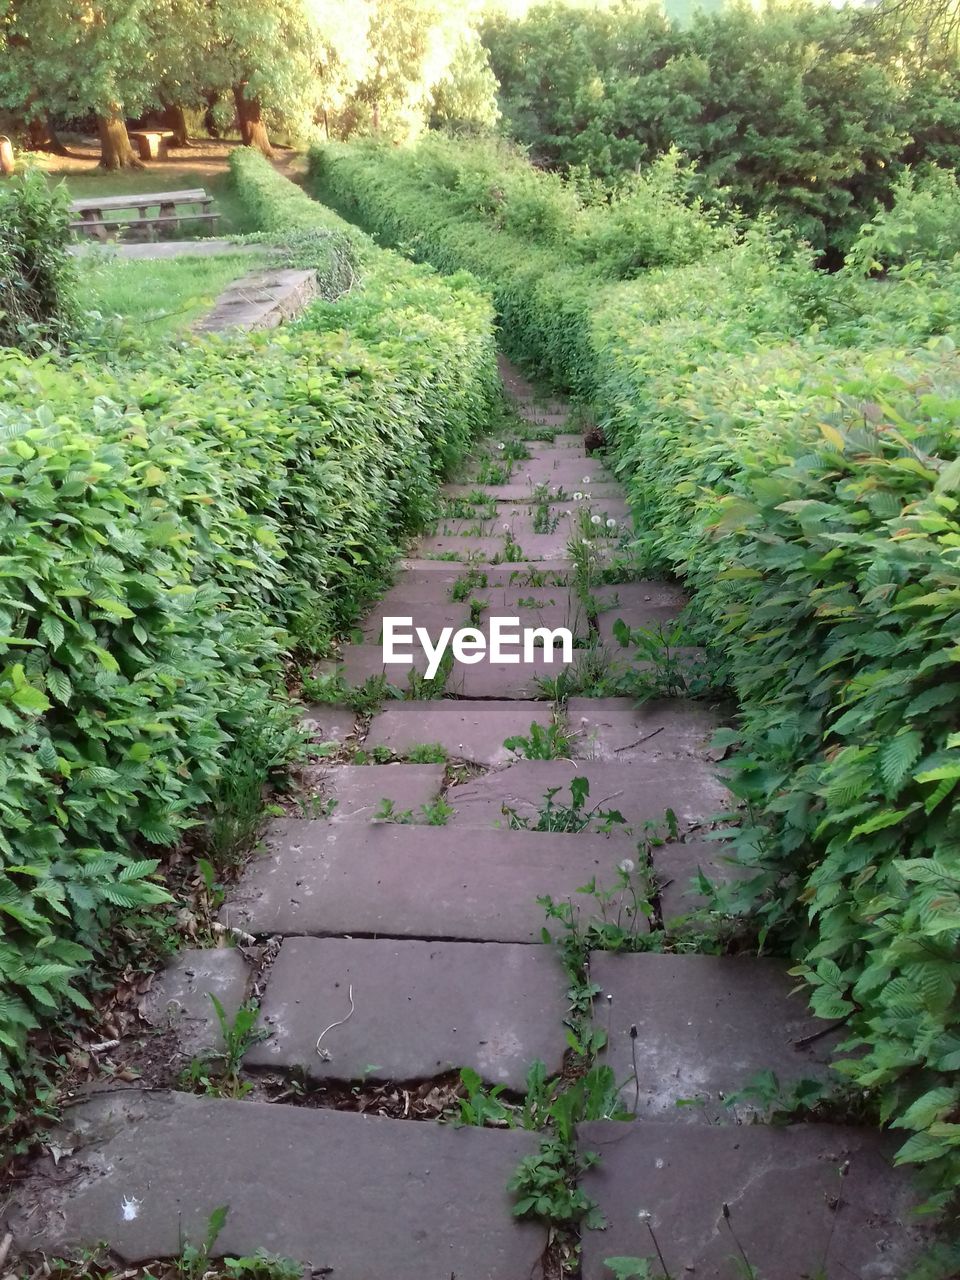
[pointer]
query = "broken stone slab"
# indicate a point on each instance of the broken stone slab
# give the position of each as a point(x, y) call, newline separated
point(622, 729)
point(473, 731)
point(357, 792)
point(706, 1026)
point(391, 880)
point(361, 1196)
point(180, 997)
point(640, 790)
point(792, 1212)
point(676, 869)
point(420, 1009)
point(329, 722)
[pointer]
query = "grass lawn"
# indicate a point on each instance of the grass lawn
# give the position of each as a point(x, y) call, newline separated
point(161, 297)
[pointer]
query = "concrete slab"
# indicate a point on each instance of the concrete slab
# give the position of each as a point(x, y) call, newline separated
point(461, 550)
point(533, 572)
point(329, 722)
point(676, 868)
point(506, 680)
point(706, 1026)
point(792, 1212)
point(641, 790)
point(434, 617)
point(623, 730)
point(351, 1195)
point(473, 731)
point(359, 790)
point(500, 583)
point(180, 997)
point(532, 546)
point(524, 491)
point(262, 300)
point(362, 662)
point(419, 1009)
point(321, 879)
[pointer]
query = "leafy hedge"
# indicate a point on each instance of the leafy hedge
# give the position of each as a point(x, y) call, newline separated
point(789, 442)
point(171, 526)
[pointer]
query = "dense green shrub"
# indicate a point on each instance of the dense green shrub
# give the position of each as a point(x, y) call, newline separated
point(170, 527)
point(923, 222)
point(36, 272)
point(789, 443)
point(798, 107)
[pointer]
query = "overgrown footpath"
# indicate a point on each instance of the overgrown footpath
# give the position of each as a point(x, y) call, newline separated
point(788, 442)
point(177, 524)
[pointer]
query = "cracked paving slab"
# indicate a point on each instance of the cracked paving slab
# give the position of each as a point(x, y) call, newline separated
point(367, 1197)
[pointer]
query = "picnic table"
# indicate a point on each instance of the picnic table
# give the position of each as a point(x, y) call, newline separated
point(173, 207)
point(151, 143)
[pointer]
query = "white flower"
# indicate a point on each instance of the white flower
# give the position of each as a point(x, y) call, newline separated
point(595, 520)
point(586, 479)
point(506, 528)
point(577, 497)
point(644, 1215)
point(585, 541)
point(627, 866)
point(611, 523)
point(501, 446)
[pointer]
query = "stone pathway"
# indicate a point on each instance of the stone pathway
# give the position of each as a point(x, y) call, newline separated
point(399, 951)
point(156, 249)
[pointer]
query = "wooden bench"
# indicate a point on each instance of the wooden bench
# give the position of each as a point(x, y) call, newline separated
point(173, 208)
point(151, 143)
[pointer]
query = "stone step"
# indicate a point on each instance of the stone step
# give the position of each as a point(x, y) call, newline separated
point(420, 1009)
point(434, 617)
point(621, 729)
point(359, 1197)
point(465, 544)
point(706, 1025)
point(677, 867)
point(642, 791)
point(488, 582)
point(521, 572)
point(804, 1201)
point(329, 722)
point(179, 998)
point(357, 792)
point(390, 880)
point(485, 679)
point(524, 491)
point(473, 731)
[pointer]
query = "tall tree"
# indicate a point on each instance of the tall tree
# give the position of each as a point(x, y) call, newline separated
point(70, 57)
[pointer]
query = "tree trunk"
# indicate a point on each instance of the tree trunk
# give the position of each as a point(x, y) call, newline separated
point(41, 136)
point(175, 120)
point(115, 149)
point(253, 132)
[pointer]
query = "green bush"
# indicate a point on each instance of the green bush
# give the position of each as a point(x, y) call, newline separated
point(37, 276)
point(170, 527)
point(789, 445)
point(802, 109)
point(923, 222)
